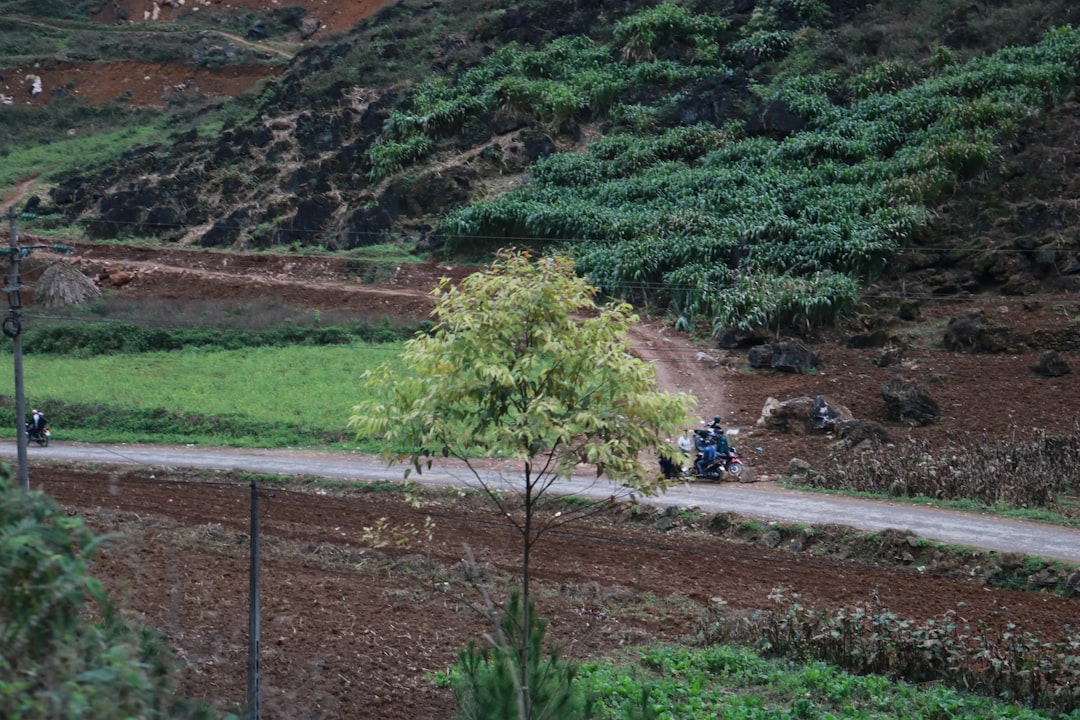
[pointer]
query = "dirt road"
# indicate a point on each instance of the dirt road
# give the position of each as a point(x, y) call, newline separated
point(763, 500)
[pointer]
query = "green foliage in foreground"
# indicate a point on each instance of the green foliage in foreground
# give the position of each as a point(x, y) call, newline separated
point(673, 683)
point(257, 397)
point(679, 683)
point(1009, 663)
point(55, 664)
point(485, 680)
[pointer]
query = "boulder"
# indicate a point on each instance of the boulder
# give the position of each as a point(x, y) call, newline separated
point(890, 356)
point(1051, 365)
point(972, 333)
point(309, 26)
point(908, 403)
point(871, 339)
point(788, 356)
point(802, 415)
point(826, 414)
point(863, 434)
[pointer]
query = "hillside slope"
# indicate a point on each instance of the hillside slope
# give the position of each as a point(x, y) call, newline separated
point(393, 131)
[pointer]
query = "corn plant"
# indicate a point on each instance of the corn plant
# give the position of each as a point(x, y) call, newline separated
point(1012, 470)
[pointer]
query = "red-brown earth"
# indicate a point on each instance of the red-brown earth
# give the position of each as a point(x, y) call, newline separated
point(350, 631)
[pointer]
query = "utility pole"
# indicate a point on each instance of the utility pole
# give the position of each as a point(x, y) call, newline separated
point(254, 614)
point(12, 327)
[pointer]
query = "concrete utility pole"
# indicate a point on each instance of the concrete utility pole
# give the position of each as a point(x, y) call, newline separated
point(254, 679)
point(12, 327)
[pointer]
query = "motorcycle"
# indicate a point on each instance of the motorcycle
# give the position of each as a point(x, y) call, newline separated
point(726, 463)
point(41, 437)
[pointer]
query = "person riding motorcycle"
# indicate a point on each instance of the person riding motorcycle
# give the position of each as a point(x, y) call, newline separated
point(723, 447)
point(706, 449)
point(36, 425)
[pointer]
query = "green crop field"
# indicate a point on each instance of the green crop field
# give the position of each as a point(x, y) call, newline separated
point(251, 397)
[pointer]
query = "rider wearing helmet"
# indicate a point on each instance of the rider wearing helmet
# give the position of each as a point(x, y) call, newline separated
point(722, 446)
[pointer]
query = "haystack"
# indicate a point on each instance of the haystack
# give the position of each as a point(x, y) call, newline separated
point(64, 284)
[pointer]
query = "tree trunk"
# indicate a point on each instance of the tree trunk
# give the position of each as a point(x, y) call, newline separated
point(525, 702)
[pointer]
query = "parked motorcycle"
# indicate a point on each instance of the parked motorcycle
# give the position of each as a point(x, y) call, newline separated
point(41, 437)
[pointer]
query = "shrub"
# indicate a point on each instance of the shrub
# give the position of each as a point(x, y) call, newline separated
point(56, 663)
point(486, 682)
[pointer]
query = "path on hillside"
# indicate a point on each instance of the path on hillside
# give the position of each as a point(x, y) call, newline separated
point(759, 500)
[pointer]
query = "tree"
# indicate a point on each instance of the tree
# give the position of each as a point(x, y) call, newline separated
point(522, 364)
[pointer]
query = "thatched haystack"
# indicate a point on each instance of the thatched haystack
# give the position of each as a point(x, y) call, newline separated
point(64, 284)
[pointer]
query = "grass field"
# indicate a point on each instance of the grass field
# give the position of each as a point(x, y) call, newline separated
point(301, 392)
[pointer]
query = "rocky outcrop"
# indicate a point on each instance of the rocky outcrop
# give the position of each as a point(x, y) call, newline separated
point(787, 356)
point(909, 403)
point(803, 415)
point(971, 332)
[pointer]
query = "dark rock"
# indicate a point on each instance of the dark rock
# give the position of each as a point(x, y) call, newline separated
point(889, 356)
point(369, 225)
point(227, 230)
point(873, 339)
point(971, 332)
point(908, 403)
point(432, 193)
point(770, 539)
point(161, 219)
point(908, 310)
point(309, 26)
point(319, 133)
point(854, 433)
point(788, 356)
point(664, 523)
point(788, 416)
point(309, 220)
point(1051, 365)
point(798, 466)
point(731, 338)
point(259, 30)
point(714, 100)
point(776, 120)
point(537, 145)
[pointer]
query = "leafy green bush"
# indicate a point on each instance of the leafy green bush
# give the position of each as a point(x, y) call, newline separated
point(56, 663)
